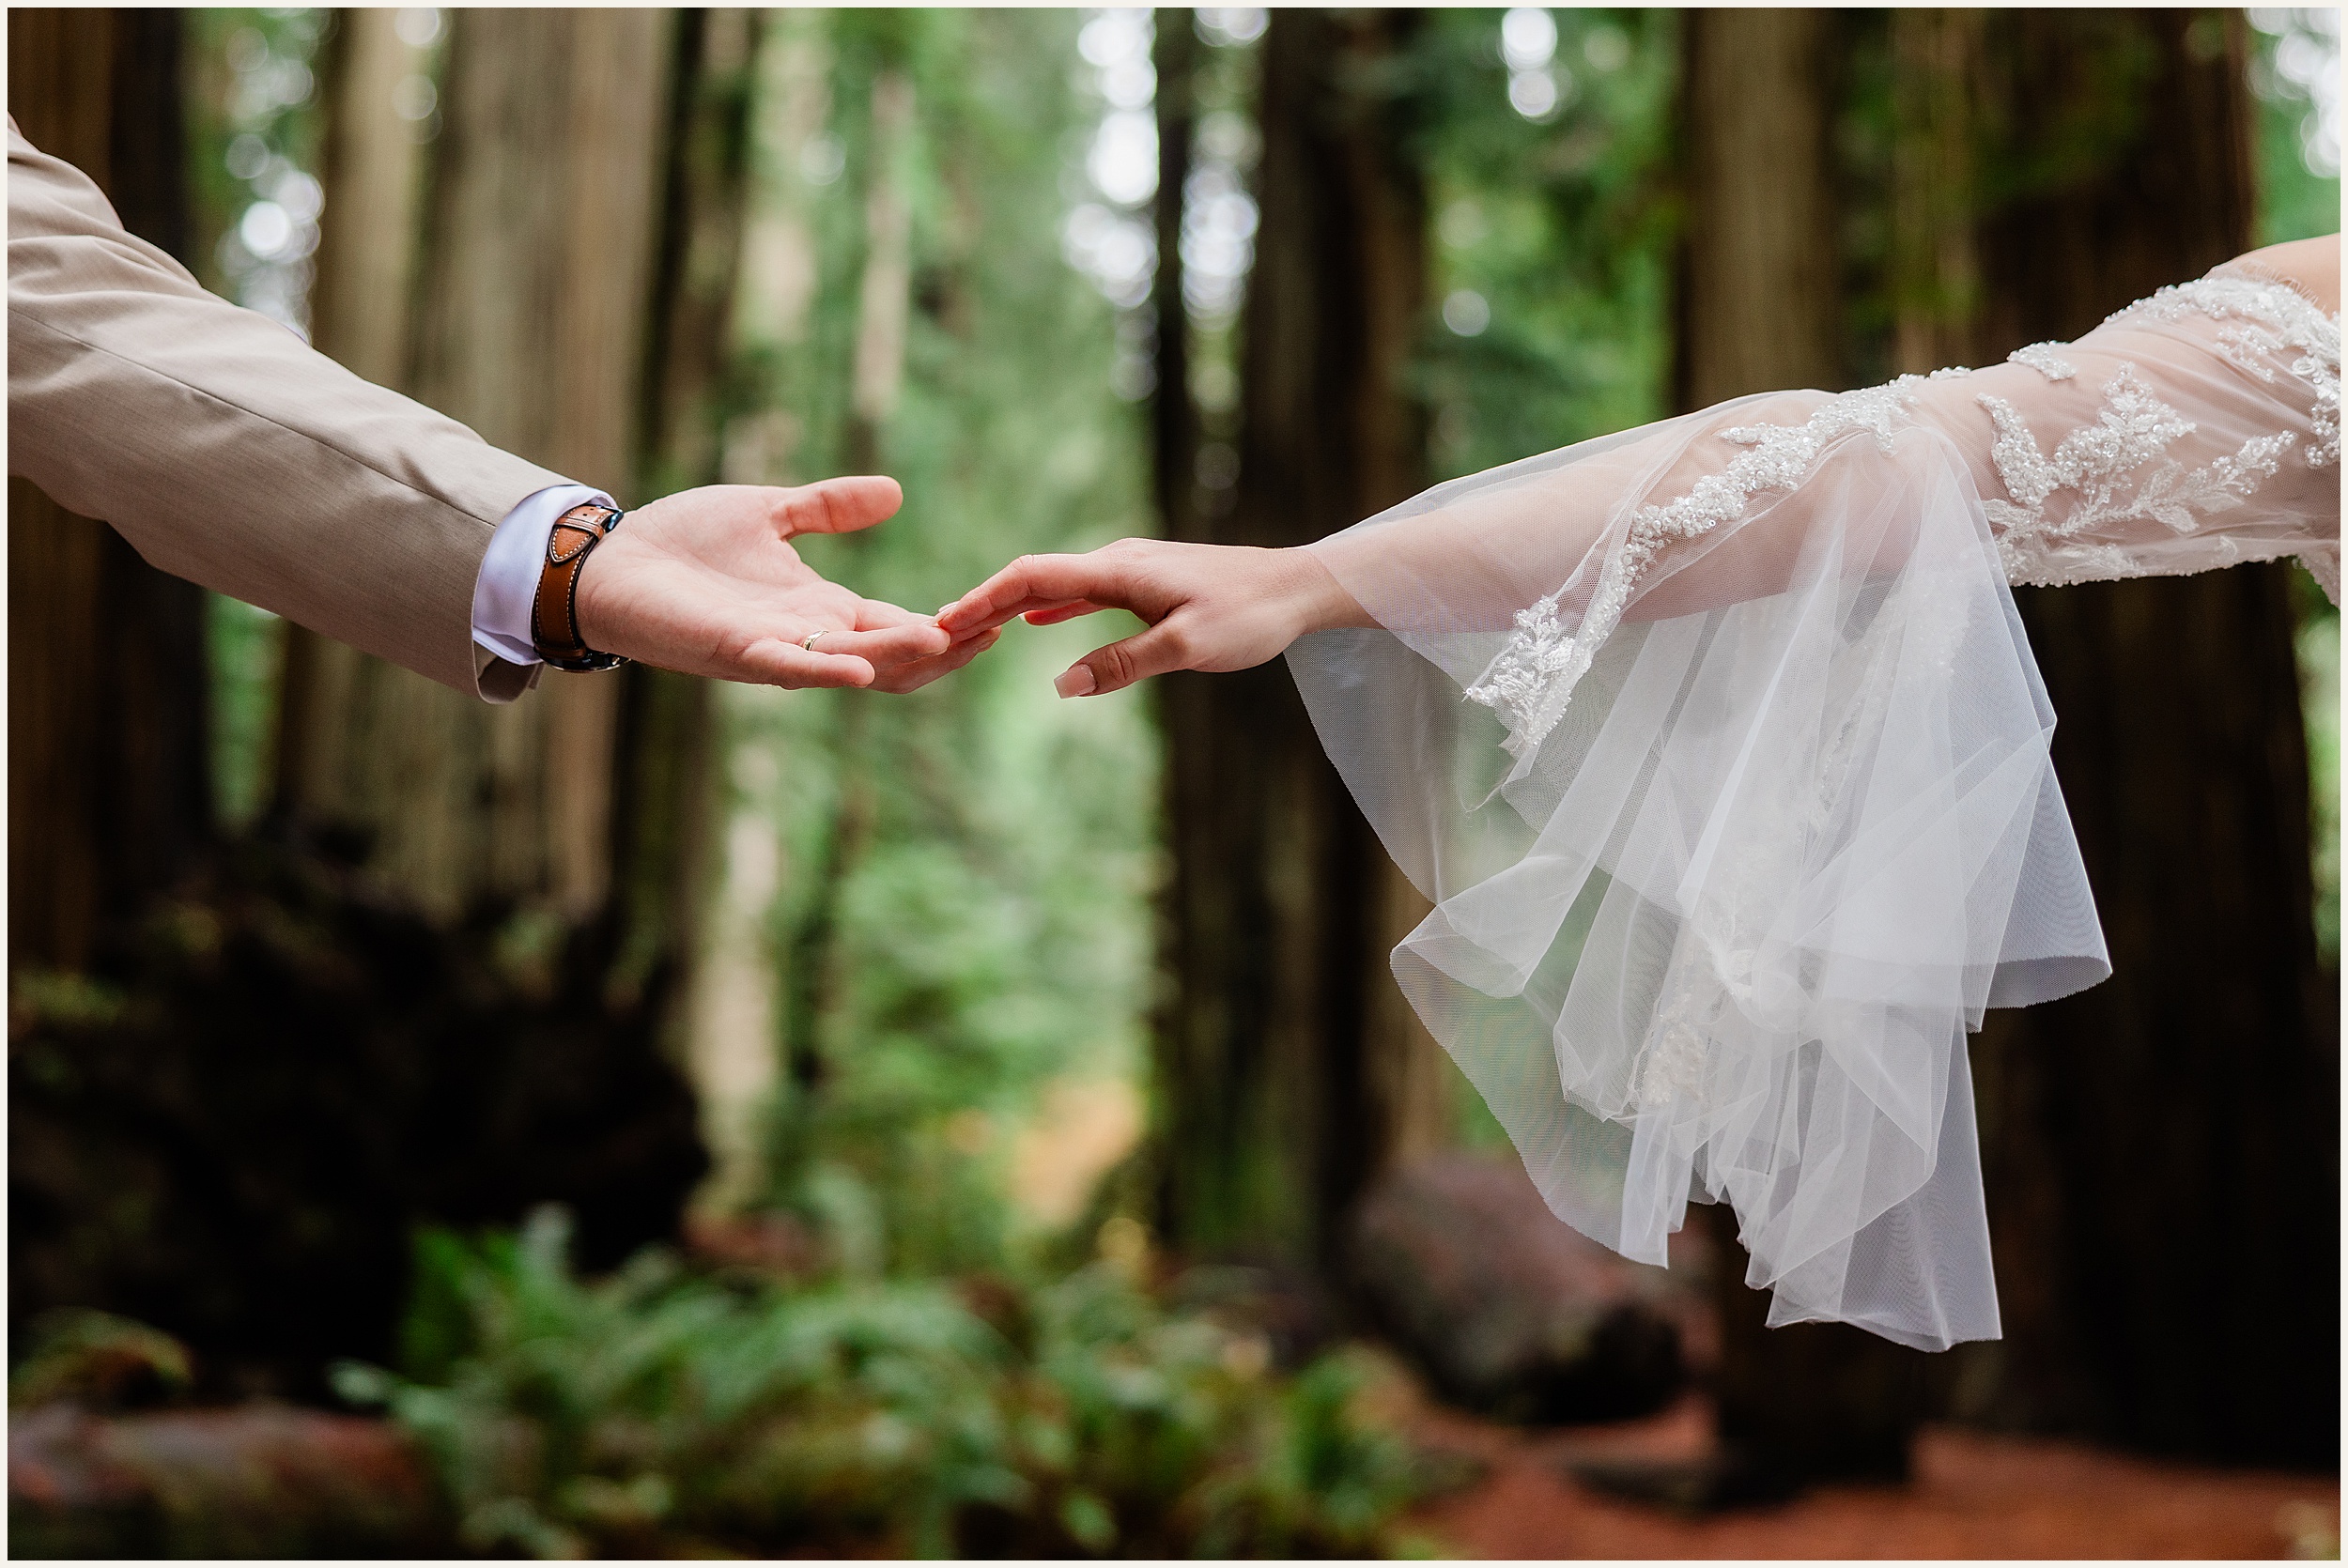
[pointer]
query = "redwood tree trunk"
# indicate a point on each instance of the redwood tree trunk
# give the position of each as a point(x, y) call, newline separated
point(1284, 1087)
point(1761, 309)
point(2162, 1150)
point(109, 795)
point(301, 1071)
point(1174, 425)
point(565, 290)
point(2167, 1251)
point(362, 314)
point(1760, 303)
point(533, 293)
point(665, 769)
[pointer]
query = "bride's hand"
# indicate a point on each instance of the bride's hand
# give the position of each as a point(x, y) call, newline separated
point(1209, 606)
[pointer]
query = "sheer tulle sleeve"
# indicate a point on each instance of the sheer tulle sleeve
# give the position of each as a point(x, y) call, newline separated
point(1720, 752)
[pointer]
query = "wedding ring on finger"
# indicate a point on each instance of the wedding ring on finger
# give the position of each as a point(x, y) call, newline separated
point(808, 646)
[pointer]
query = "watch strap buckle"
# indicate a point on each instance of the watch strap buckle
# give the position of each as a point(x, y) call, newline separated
point(554, 609)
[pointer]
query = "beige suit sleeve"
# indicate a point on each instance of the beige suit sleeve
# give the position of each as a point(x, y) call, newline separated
point(231, 452)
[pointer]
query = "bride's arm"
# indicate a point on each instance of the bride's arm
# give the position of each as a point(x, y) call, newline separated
point(1463, 558)
point(2310, 266)
point(2188, 432)
point(1223, 608)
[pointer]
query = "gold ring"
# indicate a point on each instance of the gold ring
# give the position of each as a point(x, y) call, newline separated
point(808, 646)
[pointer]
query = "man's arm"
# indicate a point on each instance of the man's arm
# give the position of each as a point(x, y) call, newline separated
point(231, 452)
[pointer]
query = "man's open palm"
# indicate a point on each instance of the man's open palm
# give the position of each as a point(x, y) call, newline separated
point(705, 581)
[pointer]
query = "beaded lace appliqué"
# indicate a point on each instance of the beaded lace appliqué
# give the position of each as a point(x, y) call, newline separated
point(1548, 651)
point(2275, 320)
point(1531, 681)
point(2133, 429)
point(2041, 358)
point(2270, 323)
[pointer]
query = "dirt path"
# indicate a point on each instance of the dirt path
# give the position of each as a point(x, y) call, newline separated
point(1974, 1496)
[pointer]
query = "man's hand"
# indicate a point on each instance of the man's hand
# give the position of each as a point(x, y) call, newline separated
point(1209, 606)
point(705, 581)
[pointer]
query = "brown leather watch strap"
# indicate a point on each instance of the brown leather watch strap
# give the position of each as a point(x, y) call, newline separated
point(554, 609)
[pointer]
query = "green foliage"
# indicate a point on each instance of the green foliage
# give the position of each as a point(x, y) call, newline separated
point(250, 73)
point(244, 644)
point(1561, 227)
point(2319, 695)
point(97, 1359)
point(2296, 200)
point(962, 909)
point(252, 122)
point(664, 1410)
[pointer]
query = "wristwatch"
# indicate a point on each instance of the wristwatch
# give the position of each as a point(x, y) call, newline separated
point(554, 611)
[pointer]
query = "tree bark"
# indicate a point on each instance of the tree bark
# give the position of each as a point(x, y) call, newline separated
point(2167, 1251)
point(1174, 426)
point(302, 1070)
point(1935, 278)
point(1760, 302)
point(816, 972)
point(1284, 1087)
point(701, 247)
point(1760, 309)
point(374, 168)
point(2166, 1258)
point(571, 304)
point(667, 723)
point(109, 794)
point(361, 312)
point(530, 324)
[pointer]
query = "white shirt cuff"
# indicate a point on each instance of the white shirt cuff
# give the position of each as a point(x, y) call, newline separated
point(508, 583)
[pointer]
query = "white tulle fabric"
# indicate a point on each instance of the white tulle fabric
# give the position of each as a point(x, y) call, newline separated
point(1720, 752)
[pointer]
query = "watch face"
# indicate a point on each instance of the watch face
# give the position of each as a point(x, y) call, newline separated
point(586, 664)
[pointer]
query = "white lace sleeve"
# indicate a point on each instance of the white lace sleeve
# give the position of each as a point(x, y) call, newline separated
point(2194, 429)
point(1720, 752)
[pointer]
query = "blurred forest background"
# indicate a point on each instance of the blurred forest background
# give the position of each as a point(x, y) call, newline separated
point(978, 1122)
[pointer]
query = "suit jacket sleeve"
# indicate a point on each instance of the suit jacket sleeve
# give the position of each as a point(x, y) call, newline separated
point(231, 452)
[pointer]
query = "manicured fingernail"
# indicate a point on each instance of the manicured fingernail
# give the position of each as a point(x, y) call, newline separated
point(1077, 681)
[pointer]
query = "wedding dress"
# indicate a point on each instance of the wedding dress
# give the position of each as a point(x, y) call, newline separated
point(1720, 752)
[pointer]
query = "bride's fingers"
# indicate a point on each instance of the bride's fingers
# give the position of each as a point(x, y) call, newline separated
point(1002, 613)
point(1163, 648)
point(1037, 581)
point(988, 603)
point(1052, 615)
